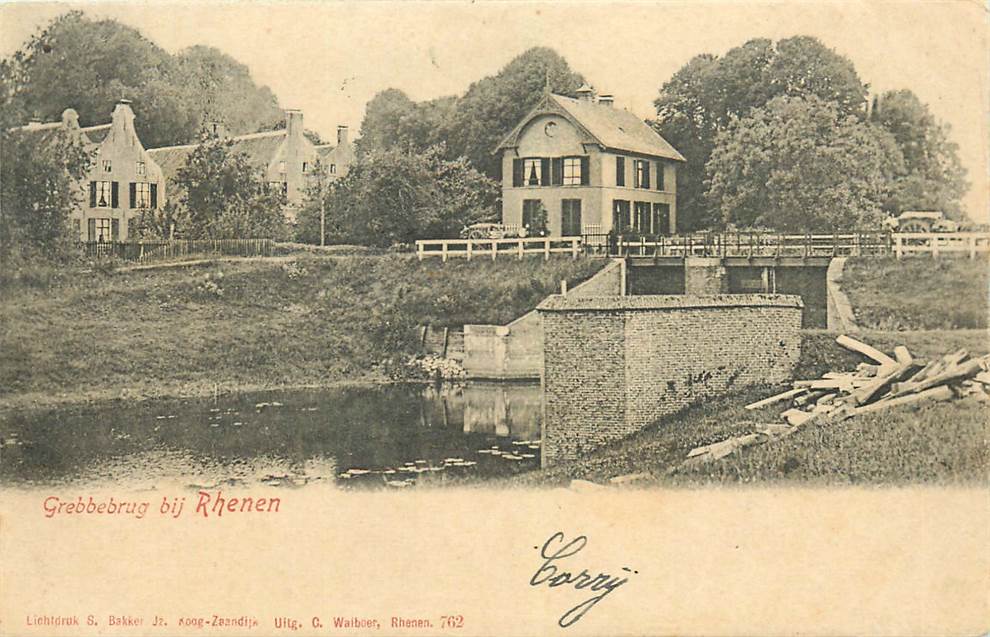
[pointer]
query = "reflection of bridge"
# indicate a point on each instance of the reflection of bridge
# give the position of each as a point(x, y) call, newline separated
point(710, 244)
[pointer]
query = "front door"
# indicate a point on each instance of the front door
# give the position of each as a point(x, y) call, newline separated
point(570, 217)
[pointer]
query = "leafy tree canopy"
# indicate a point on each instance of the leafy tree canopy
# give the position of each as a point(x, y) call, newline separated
point(710, 92)
point(800, 164)
point(470, 125)
point(76, 62)
point(396, 196)
point(934, 178)
point(222, 196)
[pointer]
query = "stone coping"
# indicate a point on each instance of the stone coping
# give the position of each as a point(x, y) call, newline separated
point(560, 303)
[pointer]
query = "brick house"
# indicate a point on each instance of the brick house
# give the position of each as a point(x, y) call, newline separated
point(591, 166)
point(123, 179)
point(286, 156)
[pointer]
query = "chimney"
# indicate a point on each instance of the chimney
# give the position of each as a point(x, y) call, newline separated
point(70, 119)
point(294, 122)
point(217, 130)
point(341, 135)
point(606, 100)
point(586, 93)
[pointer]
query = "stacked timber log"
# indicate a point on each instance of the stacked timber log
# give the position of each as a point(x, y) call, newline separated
point(882, 384)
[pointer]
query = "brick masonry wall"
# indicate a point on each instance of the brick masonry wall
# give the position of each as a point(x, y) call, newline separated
point(613, 366)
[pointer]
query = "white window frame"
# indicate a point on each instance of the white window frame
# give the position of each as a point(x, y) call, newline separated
point(103, 223)
point(142, 194)
point(140, 168)
point(533, 165)
point(333, 169)
point(572, 171)
point(640, 166)
point(104, 190)
point(107, 166)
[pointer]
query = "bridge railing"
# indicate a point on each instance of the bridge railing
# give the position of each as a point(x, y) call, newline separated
point(493, 248)
point(755, 244)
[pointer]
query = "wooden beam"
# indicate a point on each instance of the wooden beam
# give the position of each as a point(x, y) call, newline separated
point(865, 350)
point(776, 398)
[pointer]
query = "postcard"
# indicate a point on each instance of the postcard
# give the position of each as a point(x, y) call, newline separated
point(494, 318)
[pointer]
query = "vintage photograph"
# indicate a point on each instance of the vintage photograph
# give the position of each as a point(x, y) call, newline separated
point(254, 253)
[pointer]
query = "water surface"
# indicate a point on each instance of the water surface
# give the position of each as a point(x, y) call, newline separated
point(395, 436)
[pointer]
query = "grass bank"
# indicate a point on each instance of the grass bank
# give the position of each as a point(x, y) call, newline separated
point(918, 293)
point(940, 443)
point(311, 321)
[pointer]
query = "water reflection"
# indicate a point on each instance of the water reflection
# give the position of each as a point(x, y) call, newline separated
point(391, 436)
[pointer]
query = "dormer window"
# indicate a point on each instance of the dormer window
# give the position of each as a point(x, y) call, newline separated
point(107, 166)
point(140, 169)
point(281, 167)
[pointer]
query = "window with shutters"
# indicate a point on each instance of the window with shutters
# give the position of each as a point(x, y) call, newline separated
point(641, 217)
point(102, 229)
point(140, 169)
point(107, 166)
point(620, 216)
point(142, 195)
point(570, 217)
point(104, 194)
point(641, 170)
point(572, 171)
point(620, 171)
point(333, 169)
point(533, 171)
point(534, 217)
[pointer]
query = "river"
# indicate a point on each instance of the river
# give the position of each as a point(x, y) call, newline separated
point(392, 436)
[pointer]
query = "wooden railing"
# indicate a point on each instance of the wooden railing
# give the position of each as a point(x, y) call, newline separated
point(937, 243)
point(753, 244)
point(148, 251)
point(493, 248)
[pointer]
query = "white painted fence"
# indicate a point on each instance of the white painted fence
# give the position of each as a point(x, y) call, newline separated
point(937, 243)
point(493, 248)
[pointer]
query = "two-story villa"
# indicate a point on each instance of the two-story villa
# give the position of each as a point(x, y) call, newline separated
point(286, 157)
point(123, 179)
point(585, 166)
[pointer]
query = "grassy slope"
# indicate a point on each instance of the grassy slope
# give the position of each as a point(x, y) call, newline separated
point(918, 293)
point(163, 332)
point(940, 443)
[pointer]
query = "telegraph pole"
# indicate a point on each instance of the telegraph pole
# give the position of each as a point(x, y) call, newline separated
point(323, 204)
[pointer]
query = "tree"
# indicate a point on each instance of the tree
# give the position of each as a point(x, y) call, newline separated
point(88, 65)
point(223, 196)
point(392, 196)
point(40, 175)
point(708, 93)
point(472, 125)
point(799, 164)
point(934, 178)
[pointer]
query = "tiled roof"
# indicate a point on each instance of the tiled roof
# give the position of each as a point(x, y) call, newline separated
point(96, 134)
point(259, 148)
point(611, 127)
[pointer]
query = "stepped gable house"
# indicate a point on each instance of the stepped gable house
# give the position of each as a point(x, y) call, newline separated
point(591, 166)
point(286, 156)
point(123, 179)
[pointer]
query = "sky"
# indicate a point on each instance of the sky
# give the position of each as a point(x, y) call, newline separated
point(330, 58)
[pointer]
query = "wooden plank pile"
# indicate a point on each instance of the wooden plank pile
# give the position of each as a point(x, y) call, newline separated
point(884, 383)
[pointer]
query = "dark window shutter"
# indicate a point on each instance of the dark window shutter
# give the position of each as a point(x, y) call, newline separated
point(646, 174)
point(659, 175)
point(92, 195)
point(517, 173)
point(154, 195)
point(91, 230)
point(585, 171)
point(133, 194)
point(620, 171)
point(114, 195)
point(557, 171)
point(544, 172)
point(115, 229)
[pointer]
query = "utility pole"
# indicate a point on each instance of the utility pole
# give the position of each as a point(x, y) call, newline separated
point(323, 203)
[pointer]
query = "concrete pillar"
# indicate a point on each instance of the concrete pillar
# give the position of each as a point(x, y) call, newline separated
point(705, 275)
